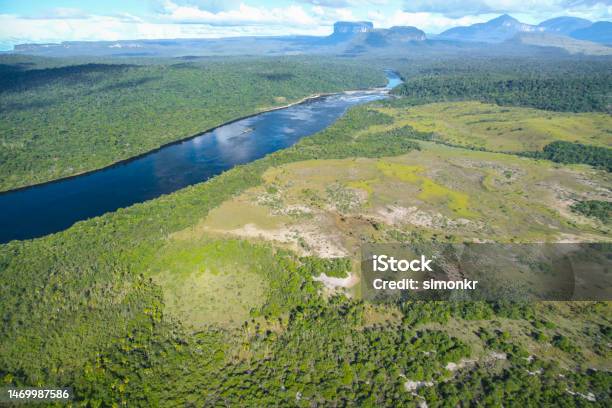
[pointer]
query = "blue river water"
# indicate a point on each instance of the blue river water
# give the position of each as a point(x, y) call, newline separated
point(52, 207)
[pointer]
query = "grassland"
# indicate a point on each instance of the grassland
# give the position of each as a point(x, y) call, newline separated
point(327, 206)
point(206, 283)
point(502, 128)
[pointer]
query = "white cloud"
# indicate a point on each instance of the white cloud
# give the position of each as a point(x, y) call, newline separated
point(595, 9)
point(329, 3)
point(17, 30)
point(243, 15)
point(346, 3)
point(214, 6)
point(172, 21)
point(344, 14)
point(327, 16)
point(62, 13)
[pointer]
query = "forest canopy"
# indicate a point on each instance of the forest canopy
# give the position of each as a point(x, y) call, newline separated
point(569, 86)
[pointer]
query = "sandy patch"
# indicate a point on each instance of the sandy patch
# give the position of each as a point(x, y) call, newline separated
point(398, 215)
point(495, 355)
point(461, 364)
point(411, 386)
point(294, 210)
point(576, 239)
point(333, 283)
point(306, 239)
point(589, 397)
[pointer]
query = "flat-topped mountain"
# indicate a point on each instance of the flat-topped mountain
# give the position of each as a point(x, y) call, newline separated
point(364, 33)
point(350, 27)
point(388, 37)
point(407, 33)
point(346, 30)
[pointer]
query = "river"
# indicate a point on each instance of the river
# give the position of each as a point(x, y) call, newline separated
point(43, 209)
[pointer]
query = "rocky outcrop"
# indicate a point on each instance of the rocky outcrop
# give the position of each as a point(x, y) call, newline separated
point(352, 27)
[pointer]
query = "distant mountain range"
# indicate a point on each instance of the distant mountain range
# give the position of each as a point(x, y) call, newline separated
point(348, 38)
point(564, 25)
point(506, 27)
point(568, 44)
point(570, 34)
point(600, 32)
point(497, 30)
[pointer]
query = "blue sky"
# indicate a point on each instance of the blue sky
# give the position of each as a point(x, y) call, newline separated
point(63, 20)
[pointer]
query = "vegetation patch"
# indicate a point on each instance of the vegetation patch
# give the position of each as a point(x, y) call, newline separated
point(601, 210)
point(565, 152)
point(483, 126)
point(577, 92)
point(212, 283)
point(430, 191)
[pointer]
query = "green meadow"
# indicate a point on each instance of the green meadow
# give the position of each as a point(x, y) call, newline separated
point(502, 128)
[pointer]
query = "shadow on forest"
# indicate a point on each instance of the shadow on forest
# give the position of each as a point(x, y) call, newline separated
point(46, 102)
point(18, 106)
point(14, 77)
point(131, 83)
point(17, 67)
point(277, 76)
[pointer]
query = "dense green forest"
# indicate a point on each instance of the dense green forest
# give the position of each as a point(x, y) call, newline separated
point(63, 117)
point(562, 86)
point(566, 152)
point(595, 208)
point(82, 308)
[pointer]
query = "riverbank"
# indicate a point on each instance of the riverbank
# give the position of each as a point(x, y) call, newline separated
point(49, 207)
point(306, 99)
point(119, 111)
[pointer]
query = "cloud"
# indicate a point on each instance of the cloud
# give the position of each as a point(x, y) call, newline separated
point(171, 19)
point(357, 4)
point(328, 16)
point(18, 30)
point(213, 6)
point(591, 9)
point(242, 15)
point(60, 13)
point(329, 3)
point(461, 8)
